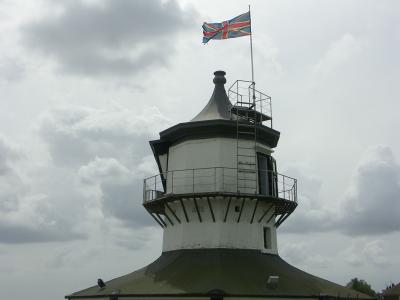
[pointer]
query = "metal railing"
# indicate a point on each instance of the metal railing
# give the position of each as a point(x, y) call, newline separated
point(219, 179)
point(241, 92)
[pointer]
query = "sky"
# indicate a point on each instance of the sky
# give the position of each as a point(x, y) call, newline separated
point(84, 85)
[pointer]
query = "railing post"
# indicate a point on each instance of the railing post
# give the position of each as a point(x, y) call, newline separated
point(237, 91)
point(193, 180)
point(294, 191)
point(284, 189)
point(144, 190)
point(215, 179)
point(249, 89)
point(270, 109)
point(291, 193)
point(223, 179)
point(172, 182)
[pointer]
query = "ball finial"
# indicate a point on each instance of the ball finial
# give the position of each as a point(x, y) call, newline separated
point(219, 77)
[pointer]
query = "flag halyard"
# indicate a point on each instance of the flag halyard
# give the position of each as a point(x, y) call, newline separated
point(236, 27)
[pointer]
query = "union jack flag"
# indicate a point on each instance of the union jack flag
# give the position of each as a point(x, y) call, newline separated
point(236, 27)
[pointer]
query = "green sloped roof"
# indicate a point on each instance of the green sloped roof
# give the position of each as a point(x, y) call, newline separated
point(236, 272)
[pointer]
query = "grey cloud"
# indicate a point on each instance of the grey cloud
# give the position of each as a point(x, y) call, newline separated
point(27, 216)
point(11, 70)
point(110, 38)
point(299, 254)
point(119, 189)
point(92, 183)
point(11, 185)
point(76, 135)
point(371, 205)
point(108, 151)
point(363, 252)
point(8, 154)
point(18, 234)
point(310, 215)
point(124, 201)
point(32, 219)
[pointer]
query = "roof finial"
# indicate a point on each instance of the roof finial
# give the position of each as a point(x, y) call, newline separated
point(219, 77)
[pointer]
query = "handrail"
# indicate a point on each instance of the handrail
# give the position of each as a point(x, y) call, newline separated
point(241, 94)
point(219, 179)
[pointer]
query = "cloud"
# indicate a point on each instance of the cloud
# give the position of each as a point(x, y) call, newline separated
point(35, 219)
point(339, 52)
point(76, 135)
point(108, 152)
point(362, 252)
point(11, 185)
point(8, 154)
point(109, 38)
point(310, 215)
point(26, 216)
point(299, 254)
point(118, 189)
point(11, 70)
point(91, 183)
point(370, 206)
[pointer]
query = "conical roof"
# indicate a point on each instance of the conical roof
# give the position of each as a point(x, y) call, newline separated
point(219, 105)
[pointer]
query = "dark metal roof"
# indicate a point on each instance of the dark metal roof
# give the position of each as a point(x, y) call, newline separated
point(234, 272)
point(217, 128)
point(219, 105)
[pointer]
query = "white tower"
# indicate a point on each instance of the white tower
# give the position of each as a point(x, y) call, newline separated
point(218, 186)
point(219, 200)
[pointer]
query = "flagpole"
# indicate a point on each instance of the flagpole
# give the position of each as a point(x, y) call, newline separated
point(252, 62)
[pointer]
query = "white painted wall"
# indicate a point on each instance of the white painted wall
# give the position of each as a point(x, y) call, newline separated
point(211, 153)
point(202, 153)
point(186, 159)
point(219, 234)
point(163, 162)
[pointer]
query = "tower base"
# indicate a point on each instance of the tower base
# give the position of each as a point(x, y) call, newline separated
point(218, 273)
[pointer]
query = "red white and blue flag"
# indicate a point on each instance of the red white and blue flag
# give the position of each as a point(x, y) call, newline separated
point(237, 27)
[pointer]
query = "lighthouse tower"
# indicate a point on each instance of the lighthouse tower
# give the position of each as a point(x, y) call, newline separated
point(219, 199)
point(218, 186)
